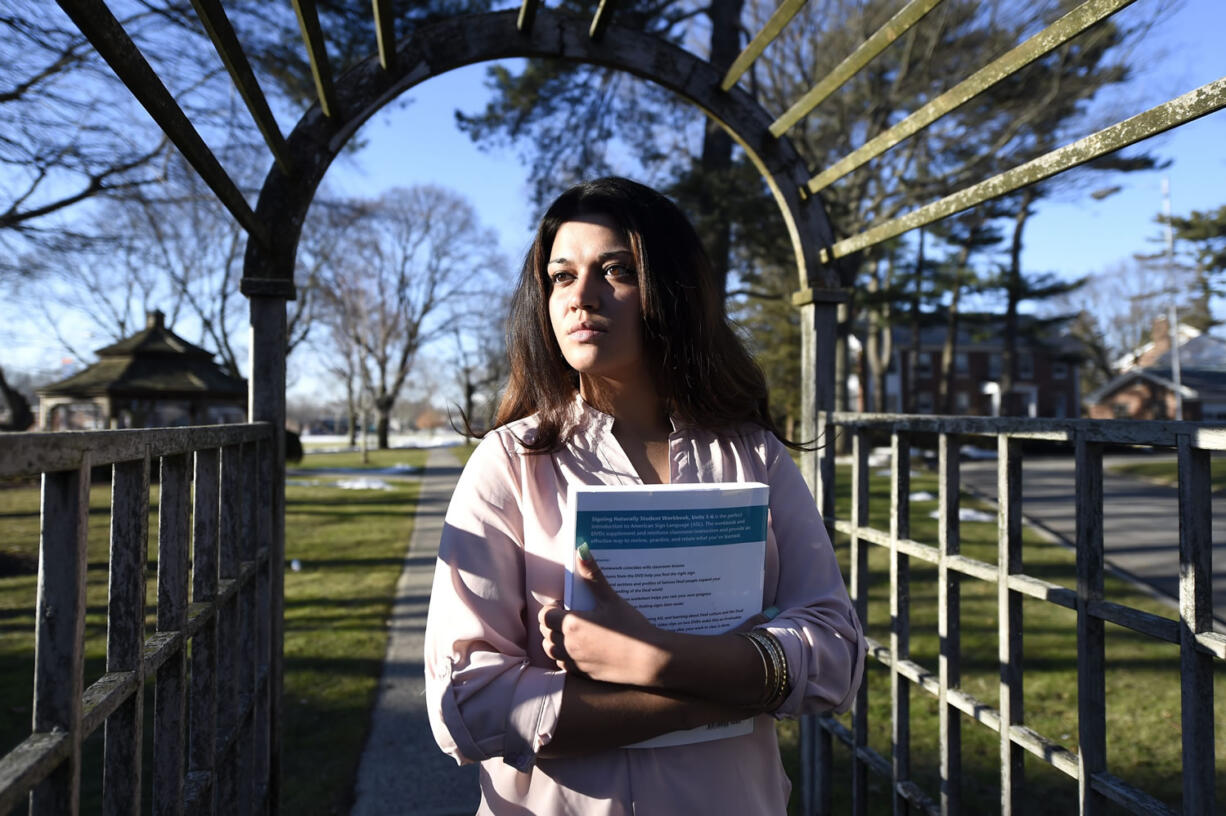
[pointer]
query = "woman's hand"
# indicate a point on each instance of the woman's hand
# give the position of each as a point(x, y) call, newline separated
point(612, 642)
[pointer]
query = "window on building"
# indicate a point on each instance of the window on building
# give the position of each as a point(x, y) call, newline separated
point(962, 364)
point(962, 402)
point(1120, 409)
point(994, 366)
point(923, 364)
point(1059, 371)
point(1025, 366)
point(923, 402)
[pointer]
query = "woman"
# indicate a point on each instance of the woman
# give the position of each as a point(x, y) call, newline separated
point(623, 370)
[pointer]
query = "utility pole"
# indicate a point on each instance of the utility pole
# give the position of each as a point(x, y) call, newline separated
point(1176, 374)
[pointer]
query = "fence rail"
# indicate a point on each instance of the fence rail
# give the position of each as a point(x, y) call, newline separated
point(211, 723)
point(1199, 645)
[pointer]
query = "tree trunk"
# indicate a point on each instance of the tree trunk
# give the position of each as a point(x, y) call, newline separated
point(908, 386)
point(949, 349)
point(1013, 289)
point(725, 18)
point(383, 412)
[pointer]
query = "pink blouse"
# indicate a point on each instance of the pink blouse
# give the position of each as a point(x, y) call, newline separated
point(492, 694)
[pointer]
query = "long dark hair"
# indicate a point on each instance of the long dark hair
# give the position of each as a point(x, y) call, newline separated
point(700, 367)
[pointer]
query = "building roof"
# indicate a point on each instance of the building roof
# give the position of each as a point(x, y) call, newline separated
point(1202, 371)
point(154, 362)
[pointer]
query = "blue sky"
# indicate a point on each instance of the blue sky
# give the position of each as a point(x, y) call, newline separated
point(415, 141)
point(1071, 234)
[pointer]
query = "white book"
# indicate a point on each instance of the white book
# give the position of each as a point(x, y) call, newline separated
point(690, 557)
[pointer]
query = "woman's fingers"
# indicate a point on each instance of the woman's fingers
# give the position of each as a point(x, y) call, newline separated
point(587, 569)
point(552, 639)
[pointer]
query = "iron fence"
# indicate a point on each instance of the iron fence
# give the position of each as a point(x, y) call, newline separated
point(1199, 646)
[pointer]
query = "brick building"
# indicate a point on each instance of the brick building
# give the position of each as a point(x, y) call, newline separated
point(1047, 382)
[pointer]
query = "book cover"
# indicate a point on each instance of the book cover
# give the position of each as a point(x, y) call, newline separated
point(690, 557)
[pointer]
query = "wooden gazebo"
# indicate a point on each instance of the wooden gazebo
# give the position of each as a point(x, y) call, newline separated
point(153, 378)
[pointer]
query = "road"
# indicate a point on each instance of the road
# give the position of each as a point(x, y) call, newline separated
point(1140, 519)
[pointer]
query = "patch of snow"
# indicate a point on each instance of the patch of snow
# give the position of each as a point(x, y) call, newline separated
point(364, 484)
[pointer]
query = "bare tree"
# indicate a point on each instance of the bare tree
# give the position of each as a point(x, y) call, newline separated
point(412, 255)
point(171, 247)
point(481, 366)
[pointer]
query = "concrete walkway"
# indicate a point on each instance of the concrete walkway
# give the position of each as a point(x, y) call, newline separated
point(402, 772)
point(1140, 520)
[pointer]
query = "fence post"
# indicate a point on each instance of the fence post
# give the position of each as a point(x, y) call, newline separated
point(859, 598)
point(59, 655)
point(267, 404)
point(202, 740)
point(170, 696)
point(1091, 657)
point(1195, 617)
point(125, 634)
point(900, 615)
point(1009, 619)
point(949, 597)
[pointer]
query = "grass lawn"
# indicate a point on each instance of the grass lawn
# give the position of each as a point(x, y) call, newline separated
point(1142, 687)
point(349, 545)
point(1167, 472)
point(350, 548)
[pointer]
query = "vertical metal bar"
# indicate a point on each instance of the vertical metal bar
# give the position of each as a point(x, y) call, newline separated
point(226, 791)
point(949, 630)
point(819, 327)
point(1091, 657)
point(900, 614)
point(125, 635)
point(1195, 616)
point(267, 404)
point(859, 600)
point(1009, 620)
point(169, 700)
point(59, 652)
point(203, 735)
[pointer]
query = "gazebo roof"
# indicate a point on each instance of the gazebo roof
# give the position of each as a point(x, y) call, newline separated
point(155, 363)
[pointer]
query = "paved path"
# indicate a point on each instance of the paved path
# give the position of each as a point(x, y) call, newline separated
point(402, 772)
point(1140, 519)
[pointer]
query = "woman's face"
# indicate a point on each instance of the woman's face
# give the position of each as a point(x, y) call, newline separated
point(594, 299)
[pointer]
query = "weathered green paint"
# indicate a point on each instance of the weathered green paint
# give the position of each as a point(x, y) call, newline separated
point(217, 24)
point(782, 16)
point(1050, 38)
point(114, 45)
point(317, 53)
point(897, 25)
point(1192, 105)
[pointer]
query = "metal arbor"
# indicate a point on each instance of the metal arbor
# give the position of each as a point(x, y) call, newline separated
point(48, 763)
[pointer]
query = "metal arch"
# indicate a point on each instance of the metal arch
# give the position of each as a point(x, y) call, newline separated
point(456, 42)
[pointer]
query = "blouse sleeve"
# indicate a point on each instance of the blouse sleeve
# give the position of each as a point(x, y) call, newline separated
point(817, 626)
point(484, 697)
